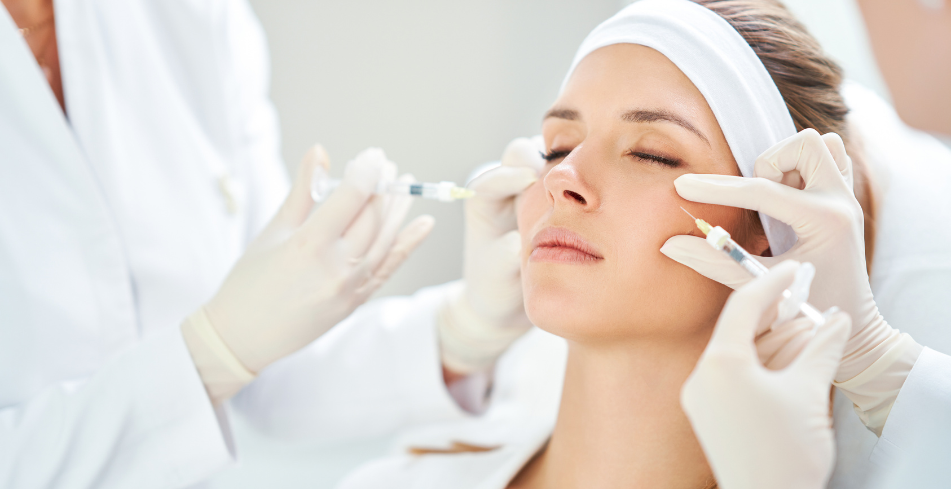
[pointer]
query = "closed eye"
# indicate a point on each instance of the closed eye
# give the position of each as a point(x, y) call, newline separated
point(652, 158)
point(553, 155)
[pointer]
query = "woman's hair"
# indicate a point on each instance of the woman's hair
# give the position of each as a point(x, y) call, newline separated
point(808, 81)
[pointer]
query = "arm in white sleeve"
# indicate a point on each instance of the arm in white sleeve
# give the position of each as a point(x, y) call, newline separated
point(143, 420)
point(874, 390)
point(919, 421)
point(377, 371)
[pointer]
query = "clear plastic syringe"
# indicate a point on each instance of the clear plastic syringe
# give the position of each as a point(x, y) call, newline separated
point(320, 188)
point(720, 240)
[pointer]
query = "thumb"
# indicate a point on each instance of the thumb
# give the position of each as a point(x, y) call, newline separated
point(697, 254)
point(821, 357)
point(744, 310)
point(299, 202)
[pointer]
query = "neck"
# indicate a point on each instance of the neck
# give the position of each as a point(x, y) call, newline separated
point(27, 13)
point(620, 423)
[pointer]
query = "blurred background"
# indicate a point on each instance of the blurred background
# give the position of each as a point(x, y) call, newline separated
point(443, 85)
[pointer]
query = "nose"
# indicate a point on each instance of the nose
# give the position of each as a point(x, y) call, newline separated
point(568, 184)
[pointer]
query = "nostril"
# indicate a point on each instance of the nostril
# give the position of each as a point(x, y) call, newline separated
point(576, 196)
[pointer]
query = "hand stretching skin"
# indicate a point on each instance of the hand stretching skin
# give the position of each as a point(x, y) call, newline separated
point(484, 313)
point(828, 221)
point(760, 427)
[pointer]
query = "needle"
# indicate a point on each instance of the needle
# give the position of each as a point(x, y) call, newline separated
point(688, 213)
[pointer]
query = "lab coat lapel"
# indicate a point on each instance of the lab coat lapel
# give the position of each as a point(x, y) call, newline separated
point(26, 97)
point(61, 245)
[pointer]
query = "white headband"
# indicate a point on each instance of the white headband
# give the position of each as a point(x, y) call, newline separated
point(719, 62)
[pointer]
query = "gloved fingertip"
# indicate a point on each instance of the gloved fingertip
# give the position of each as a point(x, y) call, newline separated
point(539, 141)
point(681, 246)
point(513, 241)
point(365, 171)
point(523, 152)
point(503, 182)
point(317, 156)
point(693, 186)
point(417, 230)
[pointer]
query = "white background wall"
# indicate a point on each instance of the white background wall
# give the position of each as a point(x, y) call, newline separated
point(443, 85)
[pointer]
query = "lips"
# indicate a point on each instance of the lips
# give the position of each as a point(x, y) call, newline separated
point(560, 245)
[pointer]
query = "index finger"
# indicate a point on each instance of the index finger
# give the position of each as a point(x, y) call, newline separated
point(503, 182)
point(736, 328)
point(806, 152)
point(359, 183)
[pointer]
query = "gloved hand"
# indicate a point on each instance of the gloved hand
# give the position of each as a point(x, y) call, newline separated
point(828, 221)
point(758, 427)
point(484, 314)
point(307, 271)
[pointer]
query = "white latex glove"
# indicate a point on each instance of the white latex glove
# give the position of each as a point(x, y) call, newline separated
point(307, 271)
point(821, 208)
point(762, 428)
point(484, 314)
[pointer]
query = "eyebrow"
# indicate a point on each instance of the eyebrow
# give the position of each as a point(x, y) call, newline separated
point(648, 116)
point(566, 114)
point(637, 116)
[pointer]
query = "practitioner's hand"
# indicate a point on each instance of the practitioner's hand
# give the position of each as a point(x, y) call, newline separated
point(484, 313)
point(821, 208)
point(307, 271)
point(760, 427)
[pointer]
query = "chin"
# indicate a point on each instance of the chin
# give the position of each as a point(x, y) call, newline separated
point(565, 310)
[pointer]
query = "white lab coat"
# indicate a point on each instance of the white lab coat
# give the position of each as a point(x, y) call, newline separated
point(117, 223)
point(911, 280)
point(526, 394)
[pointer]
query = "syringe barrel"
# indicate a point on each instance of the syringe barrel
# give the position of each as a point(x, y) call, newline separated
point(442, 191)
point(818, 319)
point(743, 258)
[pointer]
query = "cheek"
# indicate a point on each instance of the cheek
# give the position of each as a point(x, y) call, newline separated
point(530, 207)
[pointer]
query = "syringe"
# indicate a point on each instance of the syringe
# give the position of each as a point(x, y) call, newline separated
point(320, 188)
point(720, 239)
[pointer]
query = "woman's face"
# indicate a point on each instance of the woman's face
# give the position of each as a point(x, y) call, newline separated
point(626, 126)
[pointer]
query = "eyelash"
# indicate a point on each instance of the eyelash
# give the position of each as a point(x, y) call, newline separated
point(553, 155)
point(668, 162)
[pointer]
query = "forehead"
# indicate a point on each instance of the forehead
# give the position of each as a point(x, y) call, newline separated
point(625, 76)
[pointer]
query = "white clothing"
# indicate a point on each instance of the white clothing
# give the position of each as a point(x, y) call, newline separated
point(375, 372)
point(526, 394)
point(911, 280)
point(118, 222)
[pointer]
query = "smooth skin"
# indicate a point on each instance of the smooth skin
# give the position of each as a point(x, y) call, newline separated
point(636, 321)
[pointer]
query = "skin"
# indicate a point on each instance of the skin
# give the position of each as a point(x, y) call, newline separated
point(42, 41)
point(636, 322)
point(912, 44)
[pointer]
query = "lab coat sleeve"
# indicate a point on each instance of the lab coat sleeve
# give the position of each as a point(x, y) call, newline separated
point(377, 371)
point(258, 130)
point(143, 421)
point(920, 419)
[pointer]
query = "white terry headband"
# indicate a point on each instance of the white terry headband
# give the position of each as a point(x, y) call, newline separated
point(748, 106)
